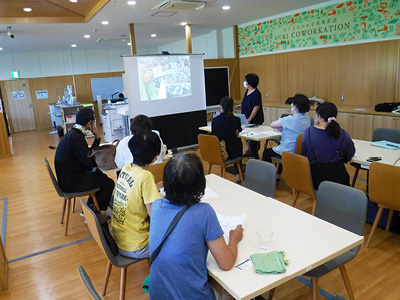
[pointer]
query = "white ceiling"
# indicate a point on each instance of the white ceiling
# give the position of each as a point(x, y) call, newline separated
point(56, 37)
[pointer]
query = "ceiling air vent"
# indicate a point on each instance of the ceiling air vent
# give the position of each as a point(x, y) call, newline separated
point(180, 5)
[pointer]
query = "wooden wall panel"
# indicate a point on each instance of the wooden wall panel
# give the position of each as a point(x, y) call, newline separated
point(4, 142)
point(366, 74)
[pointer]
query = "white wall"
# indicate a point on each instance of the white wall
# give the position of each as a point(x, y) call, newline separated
point(58, 63)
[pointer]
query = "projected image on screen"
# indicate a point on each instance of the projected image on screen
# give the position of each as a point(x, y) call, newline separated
point(163, 77)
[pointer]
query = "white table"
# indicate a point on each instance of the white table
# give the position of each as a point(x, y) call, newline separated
point(259, 133)
point(307, 241)
point(364, 149)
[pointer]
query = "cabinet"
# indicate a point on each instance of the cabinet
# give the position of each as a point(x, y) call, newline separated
point(67, 114)
point(386, 122)
point(358, 126)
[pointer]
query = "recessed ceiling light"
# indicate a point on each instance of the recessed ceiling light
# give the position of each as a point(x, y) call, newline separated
point(153, 35)
point(129, 44)
point(73, 1)
point(184, 23)
point(104, 22)
point(87, 36)
point(226, 7)
point(1, 48)
point(27, 9)
point(73, 45)
point(131, 2)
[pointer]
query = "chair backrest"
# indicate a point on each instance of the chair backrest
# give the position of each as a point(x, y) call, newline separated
point(88, 284)
point(297, 173)
point(53, 179)
point(97, 233)
point(158, 171)
point(386, 134)
point(384, 184)
point(299, 140)
point(260, 177)
point(209, 149)
point(342, 206)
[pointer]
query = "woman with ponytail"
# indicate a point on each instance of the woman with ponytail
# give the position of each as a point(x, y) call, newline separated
point(226, 126)
point(327, 147)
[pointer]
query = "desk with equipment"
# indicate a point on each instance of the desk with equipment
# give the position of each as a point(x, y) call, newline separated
point(306, 240)
point(366, 150)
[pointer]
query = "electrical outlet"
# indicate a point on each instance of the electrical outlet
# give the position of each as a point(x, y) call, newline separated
point(266, 95)
point(342, 98)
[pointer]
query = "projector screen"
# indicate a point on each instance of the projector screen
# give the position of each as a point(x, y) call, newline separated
point(158, 85)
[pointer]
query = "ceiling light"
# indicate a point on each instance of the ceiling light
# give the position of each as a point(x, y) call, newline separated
point(73, 1)
point(73, 45)
point(104, 22)
point(226, 7)
point(27, 9)
point(131, 2)
point(87, 36)
point(1, 48)
point(129, 44)
point(153, 35)
point(184, 23)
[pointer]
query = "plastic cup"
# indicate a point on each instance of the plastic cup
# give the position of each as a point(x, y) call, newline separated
point(265, 239)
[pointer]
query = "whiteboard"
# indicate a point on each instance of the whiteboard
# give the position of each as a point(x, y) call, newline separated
point(106, 87)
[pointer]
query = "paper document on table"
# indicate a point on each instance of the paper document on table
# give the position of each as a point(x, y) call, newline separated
point(209, 193)
point(229, 223)
point(250, 133)
point(272, 133)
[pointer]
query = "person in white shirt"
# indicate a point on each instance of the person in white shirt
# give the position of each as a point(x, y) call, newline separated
point(124, 155)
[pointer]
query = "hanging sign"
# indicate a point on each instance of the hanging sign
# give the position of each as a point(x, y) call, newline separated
point(350, 21)
point(17, 95)
point(42, 94)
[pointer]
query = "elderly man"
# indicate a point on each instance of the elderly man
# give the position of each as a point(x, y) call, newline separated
point(75, 170)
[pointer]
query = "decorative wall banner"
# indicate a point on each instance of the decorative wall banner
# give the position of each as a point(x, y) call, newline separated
point(338, 23)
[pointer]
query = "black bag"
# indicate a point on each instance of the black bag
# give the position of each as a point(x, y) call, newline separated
point(386, 106)
point(103, 219)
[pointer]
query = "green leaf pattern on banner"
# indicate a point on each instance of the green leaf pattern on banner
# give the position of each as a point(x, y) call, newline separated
point(338, 23)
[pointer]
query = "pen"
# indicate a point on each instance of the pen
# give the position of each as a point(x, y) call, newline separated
point(391, 145)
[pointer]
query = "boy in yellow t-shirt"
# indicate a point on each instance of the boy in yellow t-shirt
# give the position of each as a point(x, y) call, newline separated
point(135, 192)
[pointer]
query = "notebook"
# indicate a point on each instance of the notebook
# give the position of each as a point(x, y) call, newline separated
point(386, 145)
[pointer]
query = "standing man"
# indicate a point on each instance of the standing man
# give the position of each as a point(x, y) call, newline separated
point(76, 171)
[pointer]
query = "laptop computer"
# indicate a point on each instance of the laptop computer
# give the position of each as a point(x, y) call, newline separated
point(243, 119)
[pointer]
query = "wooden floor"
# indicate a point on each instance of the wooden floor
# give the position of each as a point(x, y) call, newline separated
point(33, 227)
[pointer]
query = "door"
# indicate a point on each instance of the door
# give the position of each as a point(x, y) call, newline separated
point(20, 105)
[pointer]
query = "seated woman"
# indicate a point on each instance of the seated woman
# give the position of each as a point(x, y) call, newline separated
point(180, 269)
point(291, 126)
point(124, 155)
point(135, 192)
point(327, 147)
point(226, 127)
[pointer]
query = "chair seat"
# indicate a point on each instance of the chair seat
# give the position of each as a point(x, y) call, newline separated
point(78, 194)
point(123, 261)
point(332, 264)
point(233, 160)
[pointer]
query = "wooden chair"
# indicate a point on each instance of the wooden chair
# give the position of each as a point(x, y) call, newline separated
point(119, 261)
point(380, 134)
point(68, 196)
point(87, 283)
point(347, 211)
point(210, 152)
point(158, 171)
point(277, 161)
point(298, 176)
point(384, 191)
point(260, 177)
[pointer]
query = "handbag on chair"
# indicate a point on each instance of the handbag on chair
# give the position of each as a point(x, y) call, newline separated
point(104, 155)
